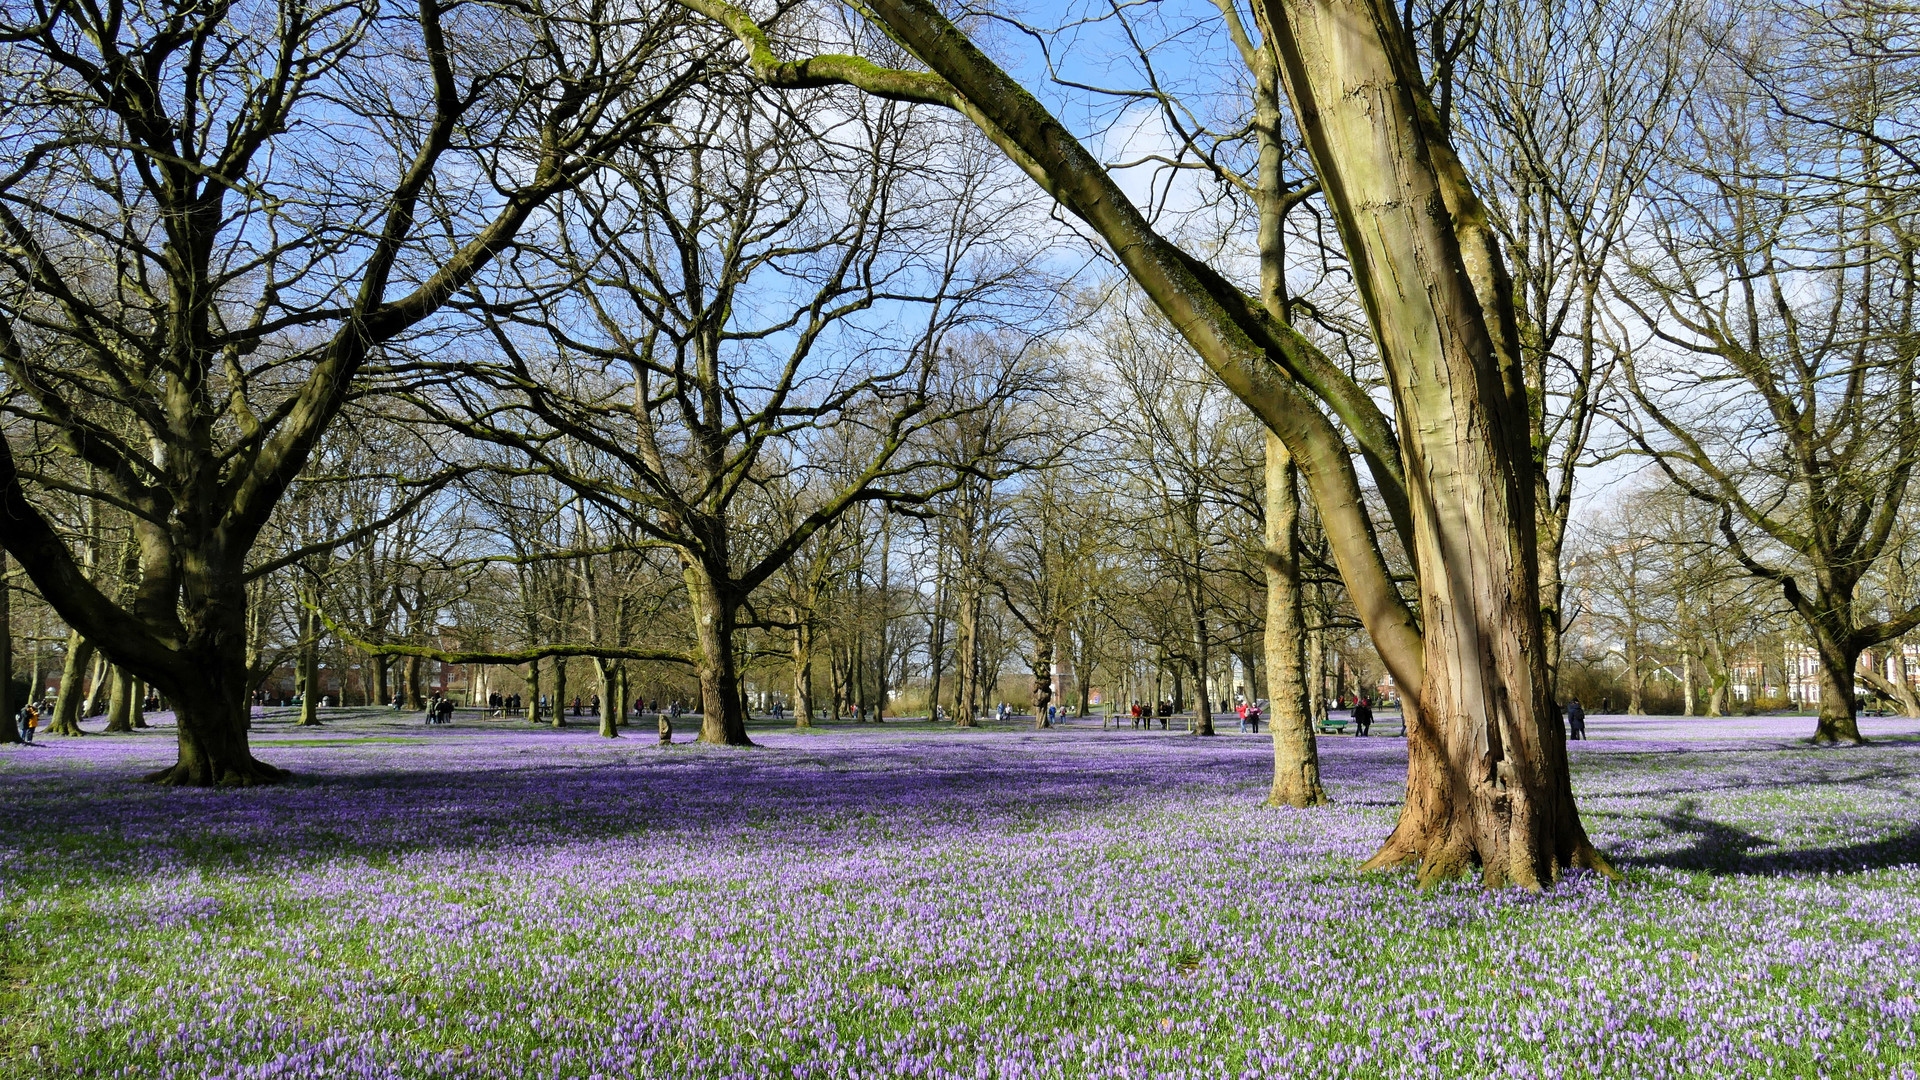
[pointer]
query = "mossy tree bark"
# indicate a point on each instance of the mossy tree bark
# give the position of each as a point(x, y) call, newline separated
point(1296, 752)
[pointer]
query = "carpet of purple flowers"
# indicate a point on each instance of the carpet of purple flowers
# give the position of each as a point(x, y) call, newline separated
point(490, 900)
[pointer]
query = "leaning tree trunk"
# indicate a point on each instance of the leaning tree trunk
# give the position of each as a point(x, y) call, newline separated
point(73, 675)
point(120, 700)
point(1296, 753)
point(1487, 779)
point(722, 722)
point(1839, 722)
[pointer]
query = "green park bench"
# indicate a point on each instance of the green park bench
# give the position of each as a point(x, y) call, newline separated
point(1333, 726)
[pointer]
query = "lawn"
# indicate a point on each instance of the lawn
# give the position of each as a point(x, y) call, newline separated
point(495, 900)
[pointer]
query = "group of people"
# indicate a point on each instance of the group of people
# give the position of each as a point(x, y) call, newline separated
point(31, 718)
point(1249, 714)
point(439, 710)
point(1143, 715)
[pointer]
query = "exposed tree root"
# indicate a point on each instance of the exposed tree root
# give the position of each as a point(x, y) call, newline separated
point(250, 773)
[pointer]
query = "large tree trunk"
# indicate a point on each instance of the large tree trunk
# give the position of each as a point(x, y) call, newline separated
point(1296, 753)
point(209, 694)
point(532, 703)
point(1839, 721)
point(73, 675)
point(559, 717)
point(1487, 775)
point(722, 722)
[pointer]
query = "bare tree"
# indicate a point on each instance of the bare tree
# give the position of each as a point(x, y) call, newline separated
point(1776, 283)
point(209, 229)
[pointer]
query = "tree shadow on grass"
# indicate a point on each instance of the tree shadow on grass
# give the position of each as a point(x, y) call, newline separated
point(1721, 848)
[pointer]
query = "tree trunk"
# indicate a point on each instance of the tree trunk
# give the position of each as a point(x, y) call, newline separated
point(802, 673)
point(1487, 779)
point(120, 701)
point(1636, 700)
point(969, 674)
point(610, 691)
point(722, 723)
point(139, 717)
point(559, 717)
point(1042, 680)
point(66, 708)
point(310, 670)
point(1903, 683)
point(937, 636)
point(533, 692)
point(382, 691)
point(8, 731)
point(1202, 650)
point(1839, 721)
point(209, 695)
point(96, 684)
point(1718, 679)
point(415, 702)
point(1688, 701)
point(1296, 753)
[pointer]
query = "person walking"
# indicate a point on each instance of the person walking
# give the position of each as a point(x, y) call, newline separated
point(29, 719)
point(1576, 720)
point(1362, 717)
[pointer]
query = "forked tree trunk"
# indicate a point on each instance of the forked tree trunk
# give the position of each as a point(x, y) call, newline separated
point(1296, 753)
point(1487, 778)
point(96, 688)
point(610, 707)
point(73, 674)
